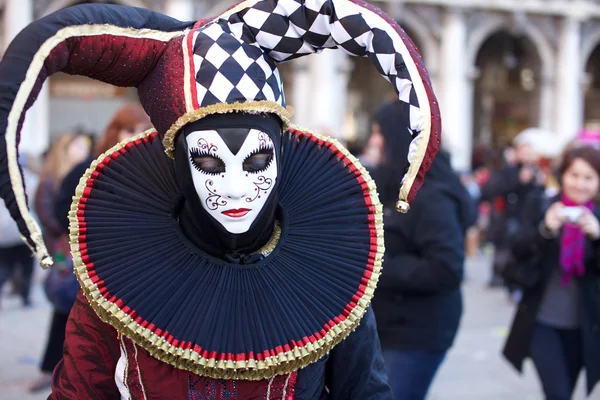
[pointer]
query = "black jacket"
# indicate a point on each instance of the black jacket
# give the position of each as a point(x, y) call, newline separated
point(530, 245)
point(354, 369)
point(418, 303)
point(505, 184)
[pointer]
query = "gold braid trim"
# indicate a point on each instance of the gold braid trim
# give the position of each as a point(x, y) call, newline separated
point(283, 363)
point(251, 107)
point(273, 241)
point(36, 65)
point(187, 74)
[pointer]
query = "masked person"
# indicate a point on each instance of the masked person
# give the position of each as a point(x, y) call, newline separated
point(224, 254)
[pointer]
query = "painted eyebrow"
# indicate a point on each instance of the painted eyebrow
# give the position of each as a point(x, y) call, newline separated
point(196, 152)
point(265, 150)
point(201, 135)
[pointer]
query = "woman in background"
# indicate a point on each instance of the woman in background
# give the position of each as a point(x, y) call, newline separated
point(16, 263)
point(557, 323)
point(66, 152)
point(128, 121)
point(418, 304)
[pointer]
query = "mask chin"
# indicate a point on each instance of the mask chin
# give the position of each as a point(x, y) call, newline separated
point(205, 222)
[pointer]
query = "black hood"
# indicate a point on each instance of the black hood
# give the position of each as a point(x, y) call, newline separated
point(442, 177)
point(389, 173)
point(392, 118)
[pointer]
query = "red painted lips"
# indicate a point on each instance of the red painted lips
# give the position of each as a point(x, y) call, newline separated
point(236, 213)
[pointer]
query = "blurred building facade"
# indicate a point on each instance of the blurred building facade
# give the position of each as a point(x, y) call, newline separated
point(497, 67)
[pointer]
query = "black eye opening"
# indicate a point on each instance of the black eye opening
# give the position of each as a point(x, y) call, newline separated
point(259, 160)
point(210, 164)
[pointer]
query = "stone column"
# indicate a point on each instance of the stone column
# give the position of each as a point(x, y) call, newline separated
point(321, 100)
point(330, 74)
point(568, 101)
point(182, 10)
point(546, 103)
point(35, 135)
point(454, 90)
point(320, 92)
point(301, 92)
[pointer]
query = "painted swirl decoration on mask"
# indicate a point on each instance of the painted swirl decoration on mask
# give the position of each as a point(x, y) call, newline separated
point(263, 184)
point(262, 140)
point(205, 146)
point(213, 201)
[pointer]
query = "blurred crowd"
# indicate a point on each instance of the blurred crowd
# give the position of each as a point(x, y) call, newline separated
point(539, 213)
point(532, 203)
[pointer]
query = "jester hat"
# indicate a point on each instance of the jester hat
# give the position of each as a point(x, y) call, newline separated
point(184, 71)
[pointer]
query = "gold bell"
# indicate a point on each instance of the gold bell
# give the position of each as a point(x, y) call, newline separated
point(402, 206)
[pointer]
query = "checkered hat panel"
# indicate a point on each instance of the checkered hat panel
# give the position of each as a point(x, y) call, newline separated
point(229, 69)
point(287, 29)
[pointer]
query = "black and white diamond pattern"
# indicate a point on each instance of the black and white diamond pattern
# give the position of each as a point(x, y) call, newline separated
point(236, 58)
point(288, 29)
point(229, 69)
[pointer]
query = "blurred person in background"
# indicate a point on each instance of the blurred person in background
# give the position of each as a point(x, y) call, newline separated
point(506, 191)
point(419, 303)
point(128, 121)
point(65, 152)
point(557, 251)
point(589, 137)
point(371, 154)
point(479, 170)
point(15, 257)
point(34, 167)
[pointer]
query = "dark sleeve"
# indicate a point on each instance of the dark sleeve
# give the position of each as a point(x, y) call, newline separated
point(355, 368)
point(501, 183)
point(473, 211)
point(44, 207)
point(64, 196)
point(434, 260)
point(595, 270)
point(528, 241)
point(91, 353)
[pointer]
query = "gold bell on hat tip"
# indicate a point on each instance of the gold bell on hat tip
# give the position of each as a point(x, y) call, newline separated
point(46, 262)
point(402, 206)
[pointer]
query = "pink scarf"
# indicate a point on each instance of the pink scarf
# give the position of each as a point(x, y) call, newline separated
point(572, 245)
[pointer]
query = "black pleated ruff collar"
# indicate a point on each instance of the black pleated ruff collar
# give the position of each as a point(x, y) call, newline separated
point(206, 315)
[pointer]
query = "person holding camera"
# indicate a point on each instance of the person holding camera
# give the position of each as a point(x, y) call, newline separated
point(557, 252)
point(507, 191)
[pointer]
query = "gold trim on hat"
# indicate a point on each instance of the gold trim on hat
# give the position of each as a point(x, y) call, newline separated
point(250, 107)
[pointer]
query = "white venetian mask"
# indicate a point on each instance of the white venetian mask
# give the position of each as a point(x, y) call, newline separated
point(232, 188)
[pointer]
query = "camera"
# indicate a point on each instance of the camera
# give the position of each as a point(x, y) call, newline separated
point(572, 213)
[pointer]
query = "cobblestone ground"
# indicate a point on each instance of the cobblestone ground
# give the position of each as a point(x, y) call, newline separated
point(473, 370)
